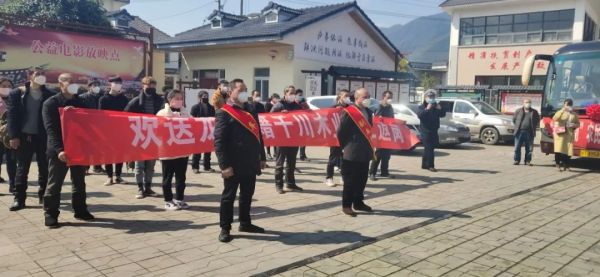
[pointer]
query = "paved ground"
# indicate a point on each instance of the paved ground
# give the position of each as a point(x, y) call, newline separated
point(494, 225)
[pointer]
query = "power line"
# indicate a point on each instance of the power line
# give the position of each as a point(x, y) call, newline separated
point(182, 13)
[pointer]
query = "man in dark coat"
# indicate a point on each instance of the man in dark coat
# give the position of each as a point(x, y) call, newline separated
point(241, 158)
point(357, 152)
point(114, 100)
point(429, 114)
point(58, 159)
point(27, 134)
point(256, 105)
point(148, 102)
point(526, 120)
point(202, 109)
point(383, 156)
point(286, 153)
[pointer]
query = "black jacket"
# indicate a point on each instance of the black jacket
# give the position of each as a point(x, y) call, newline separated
point(430, 119)
point(237, 147)
point(352, 141)
point(15, 113)
point(203, 110)
point(385, 111)
point(268, 107)
point(52, 124)
point(284, 105)
point(113, 102)
point(90, 100)
point(136, 105)
point(520, 115)
point(257, 107)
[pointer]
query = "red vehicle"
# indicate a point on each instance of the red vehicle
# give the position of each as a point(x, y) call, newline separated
point(573, 72)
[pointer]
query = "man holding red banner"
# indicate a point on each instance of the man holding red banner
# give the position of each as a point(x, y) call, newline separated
point(240, 151)
point(57, 165)
point(354, 135)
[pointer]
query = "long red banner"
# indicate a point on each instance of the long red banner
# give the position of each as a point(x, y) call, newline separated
point(94, 137)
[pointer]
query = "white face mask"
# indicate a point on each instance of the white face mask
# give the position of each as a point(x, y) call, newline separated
point(72, 88)
point(527, 105)
point(366, 103)
point(389, 101)
point(291, 98)
point(243, 96)
point(40, 80)
point(257, 99)
point(95, 90)
point(347, 100)
point(225, 89)
point(4, 92)
point(116, 87)
point(568, 108)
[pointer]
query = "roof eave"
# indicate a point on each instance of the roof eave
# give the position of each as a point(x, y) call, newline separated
point(187, 44)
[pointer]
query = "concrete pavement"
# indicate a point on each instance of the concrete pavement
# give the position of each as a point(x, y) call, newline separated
point(474, 190)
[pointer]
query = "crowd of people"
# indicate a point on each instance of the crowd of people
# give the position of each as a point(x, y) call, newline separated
point(30, 125)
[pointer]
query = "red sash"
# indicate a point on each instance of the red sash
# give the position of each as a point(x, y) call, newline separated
point(244, 118)
point(362, 123)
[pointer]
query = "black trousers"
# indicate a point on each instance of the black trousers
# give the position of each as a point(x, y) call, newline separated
point(355, 175)
point(196, 161)
point(562, 159)
point(269, 150)
point(430, 142)
point(58, 172)
point(335, 159)
point(30, 145)
point(303, 152)
point(383, 157)
point(247, 184)
point(284, 154)
point(11, 163)
point(174, 168)
point(117, 172)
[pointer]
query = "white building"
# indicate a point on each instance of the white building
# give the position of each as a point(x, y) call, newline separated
point(318, 49)
point(490, 39)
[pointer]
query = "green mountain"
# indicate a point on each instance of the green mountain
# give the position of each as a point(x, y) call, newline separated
point(425, 39)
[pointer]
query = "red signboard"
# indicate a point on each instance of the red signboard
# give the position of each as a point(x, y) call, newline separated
point(85, 56)
point(120, 137)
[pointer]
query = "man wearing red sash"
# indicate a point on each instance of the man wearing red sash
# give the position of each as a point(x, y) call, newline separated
point(354, 135)
point(239, 149)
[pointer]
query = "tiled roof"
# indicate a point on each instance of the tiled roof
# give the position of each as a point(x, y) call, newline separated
point(273, 6)
point(255, 28)
point(450, 3)
point(138, 25)
point(222, 14)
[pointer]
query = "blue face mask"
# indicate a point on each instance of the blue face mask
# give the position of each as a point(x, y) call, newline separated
point(431, 101)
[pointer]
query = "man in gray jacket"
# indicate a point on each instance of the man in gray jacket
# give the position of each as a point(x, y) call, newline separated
point(526, 120)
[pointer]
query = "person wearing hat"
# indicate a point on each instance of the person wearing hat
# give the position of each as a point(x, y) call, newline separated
point(114, 101)
point(202, 109)
point(147, 102)
point(90, 100)
point(430, 112)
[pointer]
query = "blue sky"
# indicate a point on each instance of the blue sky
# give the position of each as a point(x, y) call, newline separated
point(175, 16)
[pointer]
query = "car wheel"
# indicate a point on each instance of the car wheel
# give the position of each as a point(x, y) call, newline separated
point(489, 136)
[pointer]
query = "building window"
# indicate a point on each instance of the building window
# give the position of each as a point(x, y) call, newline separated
point(208, 78)
point(508, 80)
point(271, 17)
point(261, 81)
point(216, 23)
point(518, 28)
point(589, 29)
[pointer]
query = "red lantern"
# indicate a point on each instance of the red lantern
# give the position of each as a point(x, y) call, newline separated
point(593, 111)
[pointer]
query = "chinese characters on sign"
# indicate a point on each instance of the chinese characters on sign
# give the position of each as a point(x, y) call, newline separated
point(74, 50)
point(505, 59)
point(329, 44)
point(144, 137)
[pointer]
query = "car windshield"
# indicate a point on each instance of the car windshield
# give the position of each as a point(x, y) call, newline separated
point(323, 103)
point(485, 108)
point(574, 76)
point(414, 108)
point(402, 110)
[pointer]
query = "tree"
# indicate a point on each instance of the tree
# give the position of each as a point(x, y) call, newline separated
point(88, 12)
point(428, 81)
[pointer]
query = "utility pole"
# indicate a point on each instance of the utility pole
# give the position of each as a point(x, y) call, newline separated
point(219, 5)
point(241, 7)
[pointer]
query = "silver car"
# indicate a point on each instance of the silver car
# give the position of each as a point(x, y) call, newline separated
point(450, 133)
point(485, 122)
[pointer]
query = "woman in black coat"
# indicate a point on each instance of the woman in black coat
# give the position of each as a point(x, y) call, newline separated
point(430, 113)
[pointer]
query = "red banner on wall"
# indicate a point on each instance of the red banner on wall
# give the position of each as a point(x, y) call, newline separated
point(94, 137)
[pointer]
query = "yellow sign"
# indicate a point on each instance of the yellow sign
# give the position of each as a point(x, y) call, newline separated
point(589, 154)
